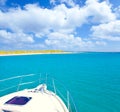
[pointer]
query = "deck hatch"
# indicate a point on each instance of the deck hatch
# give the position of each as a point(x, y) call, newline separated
point(19, 100)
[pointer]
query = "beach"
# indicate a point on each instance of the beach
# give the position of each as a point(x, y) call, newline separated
point(18, 53)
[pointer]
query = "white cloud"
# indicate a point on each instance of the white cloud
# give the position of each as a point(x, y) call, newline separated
point(100, 43)
point(52, 2)
point(68, 2)
point(99, 12)
point(109, 31)
point(57, 25)
point(15, 38)
point(67, 42)
point(117, 11)
point(35, 19)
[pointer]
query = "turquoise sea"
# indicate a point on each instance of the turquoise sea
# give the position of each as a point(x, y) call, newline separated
point(92, 78)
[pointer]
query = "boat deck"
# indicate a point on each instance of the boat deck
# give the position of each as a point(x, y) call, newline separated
point(42, 100)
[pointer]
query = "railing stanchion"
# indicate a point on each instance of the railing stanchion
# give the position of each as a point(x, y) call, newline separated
point(46, 79)
point(40, 78)
point(19, 83)
point(68, 101)
point(54, 86)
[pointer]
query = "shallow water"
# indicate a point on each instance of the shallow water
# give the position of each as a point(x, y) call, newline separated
point(92, 78)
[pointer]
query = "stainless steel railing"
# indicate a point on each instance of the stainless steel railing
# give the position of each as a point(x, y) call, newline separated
point(21, 82)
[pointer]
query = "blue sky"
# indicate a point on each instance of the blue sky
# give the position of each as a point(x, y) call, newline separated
point(70, 25)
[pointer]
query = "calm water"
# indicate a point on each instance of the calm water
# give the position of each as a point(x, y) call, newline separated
point(92, 78)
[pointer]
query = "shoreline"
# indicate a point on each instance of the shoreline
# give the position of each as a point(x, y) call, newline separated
point(20, 54)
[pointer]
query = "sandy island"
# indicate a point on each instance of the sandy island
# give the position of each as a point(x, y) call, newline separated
point(34, 52)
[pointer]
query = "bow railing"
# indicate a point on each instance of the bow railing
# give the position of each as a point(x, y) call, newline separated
point(18, 83)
